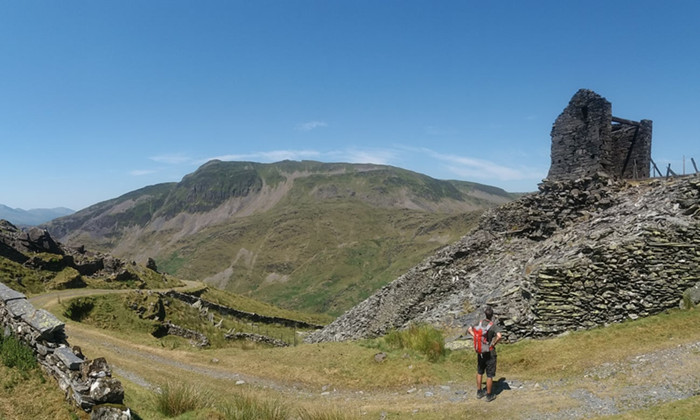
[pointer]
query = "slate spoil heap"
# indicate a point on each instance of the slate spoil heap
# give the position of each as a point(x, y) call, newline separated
point(577, 254)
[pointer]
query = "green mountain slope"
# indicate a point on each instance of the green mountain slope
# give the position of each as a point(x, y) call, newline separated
point(304, 235)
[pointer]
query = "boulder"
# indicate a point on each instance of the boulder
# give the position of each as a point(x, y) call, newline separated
point(107, 390)
point(691, 297)
point(96, 368)
point(110, 412)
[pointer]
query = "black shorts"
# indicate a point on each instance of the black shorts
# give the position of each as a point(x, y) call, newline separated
point(486, 363)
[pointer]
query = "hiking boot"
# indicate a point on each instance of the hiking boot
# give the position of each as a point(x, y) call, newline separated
point(490, 397)
point(480, 393)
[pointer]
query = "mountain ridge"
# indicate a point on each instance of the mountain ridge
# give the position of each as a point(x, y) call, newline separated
point(262, 228)
point(32, 217)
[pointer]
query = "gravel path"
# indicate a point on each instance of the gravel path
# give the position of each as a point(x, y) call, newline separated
point(641, 381)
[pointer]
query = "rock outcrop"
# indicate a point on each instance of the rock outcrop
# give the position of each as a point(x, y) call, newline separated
point(575, 255)
point(589, 248)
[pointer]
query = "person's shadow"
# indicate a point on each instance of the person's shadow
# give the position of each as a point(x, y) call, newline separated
point(500, 385)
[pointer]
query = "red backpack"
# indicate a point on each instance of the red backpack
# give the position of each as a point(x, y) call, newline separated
point(481, 344)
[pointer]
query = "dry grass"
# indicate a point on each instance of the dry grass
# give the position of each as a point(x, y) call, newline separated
point(687, 409)
point(573, 353)
point(33, 396)
point(294, 378)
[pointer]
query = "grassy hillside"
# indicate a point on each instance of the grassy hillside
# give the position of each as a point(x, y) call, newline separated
point(305, 235)
point(318, 258)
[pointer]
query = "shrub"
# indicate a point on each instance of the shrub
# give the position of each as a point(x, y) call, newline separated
point(16, 354)
point(244, 407)
point(79, 309)
point(424, 339)
point(173, 400)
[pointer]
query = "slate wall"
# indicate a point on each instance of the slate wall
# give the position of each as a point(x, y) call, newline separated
point(88, 383)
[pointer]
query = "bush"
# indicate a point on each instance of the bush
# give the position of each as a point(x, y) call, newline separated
point(16, 354)
point(244, 407)
point(173, 400)
point(424, 339)
point(79, 309)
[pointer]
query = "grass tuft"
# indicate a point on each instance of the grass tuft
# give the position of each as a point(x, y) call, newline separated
point(423, 338)
point(16, 354)
point(244, 407)
point(176, 399)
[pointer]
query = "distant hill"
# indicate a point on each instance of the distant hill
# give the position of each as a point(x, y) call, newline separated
point(32, 217)
point(303, 235)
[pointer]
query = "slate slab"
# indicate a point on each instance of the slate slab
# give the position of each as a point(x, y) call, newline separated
point(66, 355)
point(8, 294)
point(20, 307)
point(44, 322)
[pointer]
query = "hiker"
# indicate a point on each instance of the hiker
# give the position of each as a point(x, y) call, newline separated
point(486, 334)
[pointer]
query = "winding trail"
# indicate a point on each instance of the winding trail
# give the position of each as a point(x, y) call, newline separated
point(640, 381)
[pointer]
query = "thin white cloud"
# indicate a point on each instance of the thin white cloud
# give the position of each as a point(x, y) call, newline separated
point(311, 125)
point(468, 167)
point(173, 159)
point(141, 172)
point(269, 156)
point(376, 156)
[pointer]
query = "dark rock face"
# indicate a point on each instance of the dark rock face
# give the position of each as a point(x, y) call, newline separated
point(585, 141)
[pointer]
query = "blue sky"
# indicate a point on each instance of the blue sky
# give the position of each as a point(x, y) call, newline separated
point(99, 98)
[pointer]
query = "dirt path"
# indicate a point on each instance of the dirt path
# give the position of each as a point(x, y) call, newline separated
point(640, 381)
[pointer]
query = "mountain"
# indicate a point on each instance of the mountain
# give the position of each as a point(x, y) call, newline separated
point(32, 217)
point(303, 235)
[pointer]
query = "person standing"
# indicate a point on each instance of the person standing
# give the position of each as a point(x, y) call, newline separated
point(486, 352)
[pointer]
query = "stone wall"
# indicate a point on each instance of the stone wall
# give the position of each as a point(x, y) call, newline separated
point(577, 254)
point(225, 310)
point(616, 277)
point(88, 383)
point(587, 139)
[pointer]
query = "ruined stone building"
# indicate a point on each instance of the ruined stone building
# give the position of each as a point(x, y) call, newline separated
point(587, 139)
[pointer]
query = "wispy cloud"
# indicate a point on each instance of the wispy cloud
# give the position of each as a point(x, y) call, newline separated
point(141, 172)
point(468, 167)
point(269, 156)
point(376, 156)
point(311, 125)
point(172, 159)
point(351, 155)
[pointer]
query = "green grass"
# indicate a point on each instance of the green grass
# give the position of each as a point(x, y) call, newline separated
point(22, 384)
point(243, 303)
point(172, 399)
point(313, 257)
point(335, 237)
point(186, 401)
point(21, 278)
point(16, 354)
point(107, 312)
point(113, 312)
point(577, 351)
point(424, 339)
